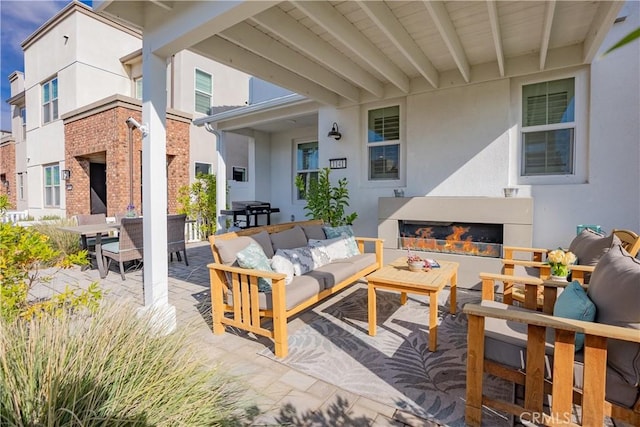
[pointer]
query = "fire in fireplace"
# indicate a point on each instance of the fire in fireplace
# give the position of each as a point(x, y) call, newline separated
point(452, 237)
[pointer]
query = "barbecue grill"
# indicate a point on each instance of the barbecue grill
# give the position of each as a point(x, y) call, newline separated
point(247, 210)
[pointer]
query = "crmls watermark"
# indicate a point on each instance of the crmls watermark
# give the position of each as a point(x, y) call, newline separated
point(541, 418)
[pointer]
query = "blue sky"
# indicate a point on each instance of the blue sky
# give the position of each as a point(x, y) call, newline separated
point(18, 20)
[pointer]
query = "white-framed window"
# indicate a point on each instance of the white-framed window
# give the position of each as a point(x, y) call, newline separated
point(21, 186)
point(137, 88)
point(239, 174)
point(23, 122)
point(203, 168)
point(384, 143)
point(307, 164)
point(204, 91)
point(553, 137)
point(52, 186)
point(50, 100)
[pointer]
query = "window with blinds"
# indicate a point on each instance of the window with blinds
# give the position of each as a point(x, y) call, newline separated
point(548, 128)
point(383, 137)
point(204, 90)
point(50, 100)
point(52, 186)
point(307, 165)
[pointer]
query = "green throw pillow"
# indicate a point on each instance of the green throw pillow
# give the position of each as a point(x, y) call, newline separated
point(573, 303)
point(333, 232)
point(253, 257)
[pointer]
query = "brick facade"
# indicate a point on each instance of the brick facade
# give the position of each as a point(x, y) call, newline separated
point(8, 172)
point(103, 137)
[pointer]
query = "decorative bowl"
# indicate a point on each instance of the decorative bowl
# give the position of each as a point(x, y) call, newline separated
point(416, 265)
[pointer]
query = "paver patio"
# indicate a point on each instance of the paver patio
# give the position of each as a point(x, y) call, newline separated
point(282, 395)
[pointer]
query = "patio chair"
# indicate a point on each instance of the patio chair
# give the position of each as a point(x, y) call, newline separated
point(89, 243)
point(540, 351)
point(175, 236)
point(588, 247)
point(129, 247)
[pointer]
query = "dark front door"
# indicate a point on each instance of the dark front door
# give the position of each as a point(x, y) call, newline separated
point(98, 184)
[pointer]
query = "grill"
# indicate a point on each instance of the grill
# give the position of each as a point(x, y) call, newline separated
point(243, 213)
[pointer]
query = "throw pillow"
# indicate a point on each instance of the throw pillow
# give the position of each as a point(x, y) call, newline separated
point(282, 264)
point(573, 303)
point(301, 258)
point(615, 292)
point(253, 257)
point(337, 248)
point(333, 232)
point(314, 231)
point(589, 246)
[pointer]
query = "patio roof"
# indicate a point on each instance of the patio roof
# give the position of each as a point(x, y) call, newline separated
point(342, 53)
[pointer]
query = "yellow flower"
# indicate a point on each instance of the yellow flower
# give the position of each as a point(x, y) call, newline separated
point(556, 256)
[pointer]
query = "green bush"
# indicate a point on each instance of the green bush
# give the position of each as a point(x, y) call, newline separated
point(198, 201)
point(109, 369)
point(326, 202)
point(24, 251)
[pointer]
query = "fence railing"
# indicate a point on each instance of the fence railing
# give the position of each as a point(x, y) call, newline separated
point(14, 216)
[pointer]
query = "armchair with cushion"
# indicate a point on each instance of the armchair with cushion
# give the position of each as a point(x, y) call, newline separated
point(175, 236)
point(539, 351)
point(129, 247)
point(588, 246)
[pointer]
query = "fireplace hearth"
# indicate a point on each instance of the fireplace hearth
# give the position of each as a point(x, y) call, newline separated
point(463, 238)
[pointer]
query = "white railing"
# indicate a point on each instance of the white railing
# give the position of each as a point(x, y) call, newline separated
point(192, 231)
point(14, 216)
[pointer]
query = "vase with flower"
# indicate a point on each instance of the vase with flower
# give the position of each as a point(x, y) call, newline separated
point(559, 261)
point(131, 211)
point(414, 262)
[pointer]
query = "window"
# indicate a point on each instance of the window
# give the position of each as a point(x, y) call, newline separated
point(137, 87)
point(203, 92)
point(23, 120)
point(548, 128)
point(21, 186)
point(306, 164)
point(50, 100)
point(383, 142)
point(203, 168)
point(239, 174)
point(52, 186)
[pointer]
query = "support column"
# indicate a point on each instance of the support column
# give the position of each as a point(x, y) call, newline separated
point(154, 190)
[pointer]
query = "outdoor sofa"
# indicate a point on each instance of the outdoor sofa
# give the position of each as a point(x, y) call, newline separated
point(320, 267)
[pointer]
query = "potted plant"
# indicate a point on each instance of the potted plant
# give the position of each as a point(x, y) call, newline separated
point(326, 202)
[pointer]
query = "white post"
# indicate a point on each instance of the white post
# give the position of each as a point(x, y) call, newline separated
point(154, 190)
point(221, 182)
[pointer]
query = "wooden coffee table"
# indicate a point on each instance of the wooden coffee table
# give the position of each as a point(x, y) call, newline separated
point(397, 277)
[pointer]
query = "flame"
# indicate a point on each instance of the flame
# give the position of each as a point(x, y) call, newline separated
point(453, 243)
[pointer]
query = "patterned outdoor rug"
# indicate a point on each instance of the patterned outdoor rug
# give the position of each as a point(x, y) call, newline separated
point(395, 367)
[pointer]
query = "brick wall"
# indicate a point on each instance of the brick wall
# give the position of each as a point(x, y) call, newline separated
point(8, 169)
point(103, 137)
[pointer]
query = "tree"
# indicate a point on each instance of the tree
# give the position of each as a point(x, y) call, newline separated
point(198, 201)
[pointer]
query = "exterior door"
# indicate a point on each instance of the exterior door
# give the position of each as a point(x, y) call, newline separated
point(98, 184)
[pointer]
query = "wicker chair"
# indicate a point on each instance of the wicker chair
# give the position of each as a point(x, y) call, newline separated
point(129, 247)
point(89, 243)
point(175, 236)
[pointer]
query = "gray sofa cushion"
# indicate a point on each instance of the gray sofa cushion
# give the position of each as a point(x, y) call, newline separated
point(333, 273)
point(314, 232)
point(615, 290)
point(589, 246)
point(289, 239)
point(300, 289)
point(228, 248)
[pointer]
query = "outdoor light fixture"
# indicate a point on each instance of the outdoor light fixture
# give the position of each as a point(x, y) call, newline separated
point(66, 174)
point(133, 123)
point(334, 132)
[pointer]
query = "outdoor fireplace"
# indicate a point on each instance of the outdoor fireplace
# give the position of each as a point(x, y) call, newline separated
point(463, 238)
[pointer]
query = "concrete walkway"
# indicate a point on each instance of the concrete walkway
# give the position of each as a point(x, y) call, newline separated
point(283, 396)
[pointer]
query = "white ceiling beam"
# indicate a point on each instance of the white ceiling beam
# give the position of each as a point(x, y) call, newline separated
point(241, 59)
point(325, 15)
point(162, 4)
point(384, 18)
point(600, 26)
point(280, 23)
point(549, 11)
point(443, 23)
point(261, 44)
point(492, 8)
point(191, 22)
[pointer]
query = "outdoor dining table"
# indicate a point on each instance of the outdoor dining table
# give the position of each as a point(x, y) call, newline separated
point(96, 231)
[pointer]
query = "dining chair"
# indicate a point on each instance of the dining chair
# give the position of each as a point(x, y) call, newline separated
point(129, 247)
point(176, 241)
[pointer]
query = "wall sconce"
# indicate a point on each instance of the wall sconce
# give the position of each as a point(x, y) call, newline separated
point(6, 184)
point(334, 132)
point(66, 174)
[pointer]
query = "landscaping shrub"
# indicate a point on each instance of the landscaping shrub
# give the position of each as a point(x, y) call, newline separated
point(109, 369)
point(198, 201)
point(326, 202)
point(62, 241)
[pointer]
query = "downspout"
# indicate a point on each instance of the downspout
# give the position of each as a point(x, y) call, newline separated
point(221, 179)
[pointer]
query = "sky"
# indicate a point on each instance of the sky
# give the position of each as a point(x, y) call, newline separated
point(18, 20)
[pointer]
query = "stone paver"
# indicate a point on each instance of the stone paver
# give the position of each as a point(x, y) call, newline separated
point(284, 396)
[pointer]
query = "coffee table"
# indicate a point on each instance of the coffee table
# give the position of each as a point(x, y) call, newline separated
point(397, 277)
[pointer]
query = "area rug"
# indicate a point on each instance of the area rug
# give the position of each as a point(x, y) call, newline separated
point(395, 367)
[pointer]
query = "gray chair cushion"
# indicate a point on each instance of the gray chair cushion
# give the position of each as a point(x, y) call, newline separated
point(615, 290)
point(589, 246)
point(289, 239)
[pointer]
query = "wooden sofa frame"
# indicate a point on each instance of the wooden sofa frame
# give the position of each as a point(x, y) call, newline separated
point(591, 398)
point(245, 312)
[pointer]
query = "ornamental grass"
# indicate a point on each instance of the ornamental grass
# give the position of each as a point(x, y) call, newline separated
point(110, 369)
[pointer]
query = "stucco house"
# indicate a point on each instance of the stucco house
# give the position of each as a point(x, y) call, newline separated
point(83, 78)
point(448, 101)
